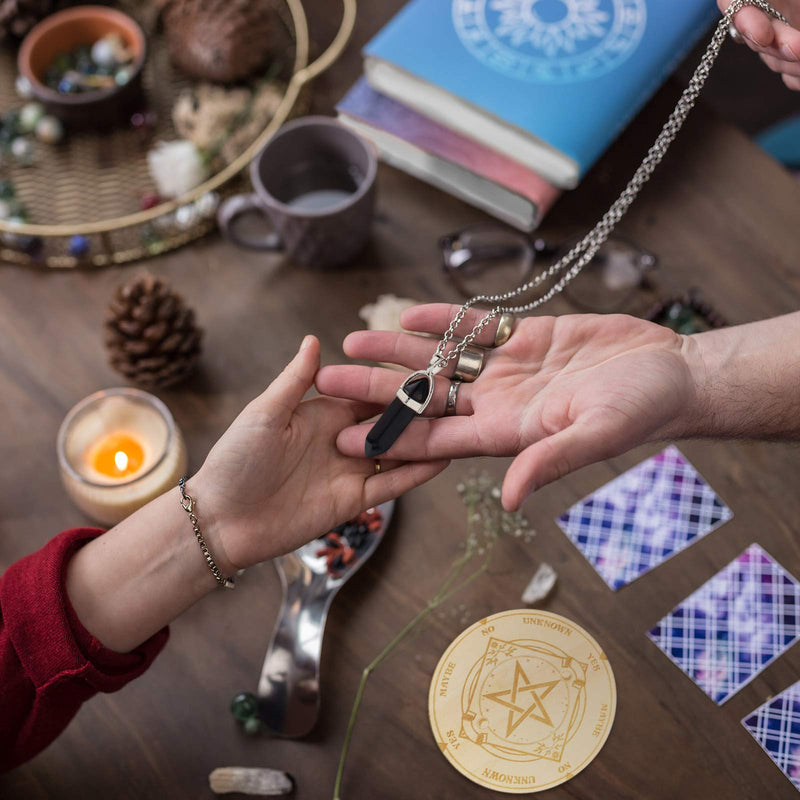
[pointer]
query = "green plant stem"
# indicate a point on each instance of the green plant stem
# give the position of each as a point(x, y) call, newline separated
point(446, 591)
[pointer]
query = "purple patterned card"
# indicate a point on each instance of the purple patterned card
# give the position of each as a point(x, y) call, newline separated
point(738, 621)
point(776, 727)
point(643, 517)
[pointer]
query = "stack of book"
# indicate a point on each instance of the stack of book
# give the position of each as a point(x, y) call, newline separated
point(506, 103)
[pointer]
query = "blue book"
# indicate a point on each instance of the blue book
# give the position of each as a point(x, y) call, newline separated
point(551, 83)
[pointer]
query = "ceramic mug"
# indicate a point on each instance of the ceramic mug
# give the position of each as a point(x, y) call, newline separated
point(314, 182)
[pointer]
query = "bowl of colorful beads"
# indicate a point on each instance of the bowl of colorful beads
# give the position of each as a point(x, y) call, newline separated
point(85, 65)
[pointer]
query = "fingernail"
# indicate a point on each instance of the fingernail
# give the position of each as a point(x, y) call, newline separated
point(306, 343)
point(788, 53)
point(752, 39)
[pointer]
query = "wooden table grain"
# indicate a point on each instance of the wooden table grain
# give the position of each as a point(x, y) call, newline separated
point(719, 214)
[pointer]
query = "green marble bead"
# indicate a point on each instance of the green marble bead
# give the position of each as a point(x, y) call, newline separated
point(10, 123)
point(244, 706)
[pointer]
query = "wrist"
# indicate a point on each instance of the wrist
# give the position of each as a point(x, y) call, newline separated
point(691, 416)
point(695, 414)
point(708, 359)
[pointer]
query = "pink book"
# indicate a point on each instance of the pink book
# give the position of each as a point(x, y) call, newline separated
point(448, 160)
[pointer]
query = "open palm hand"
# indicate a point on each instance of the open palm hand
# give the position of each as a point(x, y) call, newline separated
point(561, 393)
point(277, 468)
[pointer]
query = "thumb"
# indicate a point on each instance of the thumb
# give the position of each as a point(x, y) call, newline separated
point(754, 25)
point(284, 394)
point(550, 459)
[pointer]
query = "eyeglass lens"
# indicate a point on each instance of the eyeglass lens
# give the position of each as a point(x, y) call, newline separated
point(492, 260)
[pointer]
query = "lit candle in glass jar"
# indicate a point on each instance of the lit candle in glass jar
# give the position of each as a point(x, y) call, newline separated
point(117, 450)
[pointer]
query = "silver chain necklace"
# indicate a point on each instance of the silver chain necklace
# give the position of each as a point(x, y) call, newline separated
point(417, 390)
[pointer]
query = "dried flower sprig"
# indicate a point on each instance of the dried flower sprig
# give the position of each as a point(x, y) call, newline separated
point(487, 520)
point(487, 523)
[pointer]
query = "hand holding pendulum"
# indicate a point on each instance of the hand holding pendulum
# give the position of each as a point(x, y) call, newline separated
point(415, 394)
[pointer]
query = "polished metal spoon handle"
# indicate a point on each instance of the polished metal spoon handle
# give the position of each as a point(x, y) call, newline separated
point(288, 691)
point(289, 688)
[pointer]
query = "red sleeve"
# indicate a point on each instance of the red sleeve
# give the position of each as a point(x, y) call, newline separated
point(49, 663)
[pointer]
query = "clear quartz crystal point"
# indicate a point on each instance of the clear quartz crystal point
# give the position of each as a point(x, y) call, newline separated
point(541, 585)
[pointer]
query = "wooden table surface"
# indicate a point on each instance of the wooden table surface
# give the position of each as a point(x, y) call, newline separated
point(719, 214)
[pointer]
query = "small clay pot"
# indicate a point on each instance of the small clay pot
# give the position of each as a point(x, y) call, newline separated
point(61, 33)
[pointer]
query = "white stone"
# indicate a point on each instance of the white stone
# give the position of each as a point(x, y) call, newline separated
point(24, 88)
point(49, 130)
point(110, 51)
point(29, 116)
point(187, 217)
point(206, 204)
point(250, 780)
point(22, 150)
point(541, 584)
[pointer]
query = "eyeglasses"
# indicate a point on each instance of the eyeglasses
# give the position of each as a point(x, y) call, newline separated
point(490, 259)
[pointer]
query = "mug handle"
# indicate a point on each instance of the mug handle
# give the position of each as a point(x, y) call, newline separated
point(231, 209)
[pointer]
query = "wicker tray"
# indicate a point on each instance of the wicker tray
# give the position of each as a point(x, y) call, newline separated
point(91, 184)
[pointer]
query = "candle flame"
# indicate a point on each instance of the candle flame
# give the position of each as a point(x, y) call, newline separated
point(117, 455)
point(121, 460)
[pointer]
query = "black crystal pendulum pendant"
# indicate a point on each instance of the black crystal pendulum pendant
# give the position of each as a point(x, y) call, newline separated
point(411, 400)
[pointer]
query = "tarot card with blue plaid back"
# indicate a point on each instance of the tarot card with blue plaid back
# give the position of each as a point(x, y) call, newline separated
point(643, 517)
point(738, 621)
point(776, 727)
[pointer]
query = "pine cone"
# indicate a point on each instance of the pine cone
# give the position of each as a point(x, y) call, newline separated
point(219, 40)
point(17, 17)
point(151, 334)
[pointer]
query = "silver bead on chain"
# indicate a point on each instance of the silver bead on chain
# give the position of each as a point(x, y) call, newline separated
point(586, 248)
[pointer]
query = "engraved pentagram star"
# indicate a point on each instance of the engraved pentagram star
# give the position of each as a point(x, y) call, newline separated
point(535, 710)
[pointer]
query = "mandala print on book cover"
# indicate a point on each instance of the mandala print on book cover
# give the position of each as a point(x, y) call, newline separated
point(551, 41)
point(735, 624)
point(643, 517)
point(776, 727)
